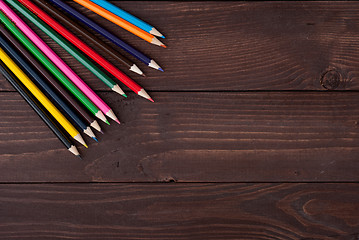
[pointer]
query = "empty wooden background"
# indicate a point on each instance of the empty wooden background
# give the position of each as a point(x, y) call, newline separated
point(254, 133)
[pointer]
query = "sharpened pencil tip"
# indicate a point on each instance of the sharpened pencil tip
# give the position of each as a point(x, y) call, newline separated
point(143, 75)
point(151, 100)
point(164, 46)
point(86, 146)
point(101, 132)
point(117, 121)
point(161, 36)
point(161, 69)
point(124, 95)
point(79, 156)
point(95, 139)
point(108, 123)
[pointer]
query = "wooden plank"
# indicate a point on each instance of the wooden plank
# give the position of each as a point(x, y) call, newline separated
point(220, 137)
point(179, 211)
point(241, 45)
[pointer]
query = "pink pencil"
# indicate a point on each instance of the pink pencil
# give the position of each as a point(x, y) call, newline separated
point(58, 61)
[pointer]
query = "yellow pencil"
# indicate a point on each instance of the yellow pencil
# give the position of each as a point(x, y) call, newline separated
point(41, 97)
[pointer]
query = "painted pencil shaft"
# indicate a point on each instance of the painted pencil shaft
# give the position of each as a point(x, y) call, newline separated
point(50, 66)
point(75, 27)
point(117, 41)
point(60, 118)
point(36, 65)
point(53, 57)
point(41, 112)
point(70, 49)
point(45, 87)
point(120, 22)
point(80, 44)
point(128, 17)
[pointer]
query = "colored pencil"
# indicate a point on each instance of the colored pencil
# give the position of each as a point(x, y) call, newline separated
point(57, 60)
point(40, 110)
point(70, 49)
point(45, 87)
point(83, 47)
point(89, 23)
point(128, 17)
point(51, 67)
point(41, 97)
point(120, 22)
point(36, 65)
point(86, 35)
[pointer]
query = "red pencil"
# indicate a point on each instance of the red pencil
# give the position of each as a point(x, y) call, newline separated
point(86, 49)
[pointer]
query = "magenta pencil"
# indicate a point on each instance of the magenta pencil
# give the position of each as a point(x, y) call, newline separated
point(57, 61)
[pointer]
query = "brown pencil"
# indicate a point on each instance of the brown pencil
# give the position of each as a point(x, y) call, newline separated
point(76, 28)
point(90, 120)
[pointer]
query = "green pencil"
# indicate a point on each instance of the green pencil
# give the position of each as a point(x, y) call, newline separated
point(70, 49)
point(51, 67)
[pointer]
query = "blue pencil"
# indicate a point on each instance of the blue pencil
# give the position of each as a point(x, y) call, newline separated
point(45, 87)
point(75, 14)
point(128, 17)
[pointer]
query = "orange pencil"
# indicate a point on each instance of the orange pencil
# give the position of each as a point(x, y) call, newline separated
point(120, 22)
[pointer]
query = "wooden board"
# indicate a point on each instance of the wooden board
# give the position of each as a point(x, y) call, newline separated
point(243, 142)
point(179, 211)
point(225, 137)
point(241, 46)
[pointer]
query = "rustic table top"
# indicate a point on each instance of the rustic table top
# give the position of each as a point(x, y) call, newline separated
point(254, 133)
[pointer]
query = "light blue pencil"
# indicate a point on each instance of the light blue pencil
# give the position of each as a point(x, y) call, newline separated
point(128, 17)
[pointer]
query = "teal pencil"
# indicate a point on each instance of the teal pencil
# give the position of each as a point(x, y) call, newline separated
point(70, 49)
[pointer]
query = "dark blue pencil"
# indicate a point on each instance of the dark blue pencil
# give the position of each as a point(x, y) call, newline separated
point(38, 108)
point(45, 87)
point(50, 79)
point(88, 22)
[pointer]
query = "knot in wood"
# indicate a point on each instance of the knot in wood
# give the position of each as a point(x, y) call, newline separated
point(331, 79)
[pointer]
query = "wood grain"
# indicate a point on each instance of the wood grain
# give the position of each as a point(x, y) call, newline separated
point(241, 109)
point(179, 211)
point(220, 137)
point(240, 46)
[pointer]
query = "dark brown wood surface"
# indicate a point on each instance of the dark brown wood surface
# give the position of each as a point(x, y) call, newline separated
point(243, 123)
point(180, 211)
point(204, 137)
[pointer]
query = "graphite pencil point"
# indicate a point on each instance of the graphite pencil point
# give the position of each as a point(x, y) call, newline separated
point(117, 89)
point(135, 69)
point(155, 32)
point(74, 150)
point(153, 64)
point(95, 125)
point(80, 139)
point(112, 115)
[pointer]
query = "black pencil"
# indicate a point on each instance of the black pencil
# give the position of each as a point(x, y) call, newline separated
point(45, 87)
point(63, 93)
point(89, 23)
point(76, 28)
point(38, 108)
